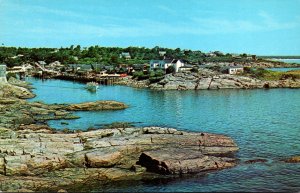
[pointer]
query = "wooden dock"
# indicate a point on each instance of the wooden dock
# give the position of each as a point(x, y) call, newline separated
point(104, 80)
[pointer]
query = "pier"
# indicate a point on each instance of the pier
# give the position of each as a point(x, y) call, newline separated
point(104, 80)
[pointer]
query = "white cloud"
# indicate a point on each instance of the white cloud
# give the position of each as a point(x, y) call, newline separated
point(270, 23)
point(219, 26)
point(148, 28)
point(24, 8)
point(108, 26)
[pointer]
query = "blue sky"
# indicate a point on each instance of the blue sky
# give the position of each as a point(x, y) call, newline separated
point(264, 27)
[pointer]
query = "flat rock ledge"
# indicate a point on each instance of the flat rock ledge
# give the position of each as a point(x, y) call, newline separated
point(208, 80)
point(40, 160)
point(17, 113)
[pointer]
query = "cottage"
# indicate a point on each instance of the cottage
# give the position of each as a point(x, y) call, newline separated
point(177, 64)
point(186, 68)
point(3, 73)
point(139, 67)
point(166, 63)
point(162, 53)
point(211, 54)
point(125, 55)
point(234, 69)
point(82, 69)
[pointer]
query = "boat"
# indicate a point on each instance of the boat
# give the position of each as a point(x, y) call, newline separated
point(92, 86)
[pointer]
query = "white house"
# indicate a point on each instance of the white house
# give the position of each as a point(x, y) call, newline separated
point(125, 55)
point(162, 53)
point(186, 68)
point(164, 64)
point(178, 64)
point(235, 69)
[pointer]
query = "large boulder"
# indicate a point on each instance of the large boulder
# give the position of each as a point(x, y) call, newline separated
point(182, 161)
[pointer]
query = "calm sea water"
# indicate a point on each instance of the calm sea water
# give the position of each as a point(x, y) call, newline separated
point(264, 123)
point(282, 69)
point(288, 60)
point(297, 61)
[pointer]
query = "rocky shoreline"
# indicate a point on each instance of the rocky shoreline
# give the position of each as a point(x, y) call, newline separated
point(208, 80)
point(35, 157)
point(44, 161)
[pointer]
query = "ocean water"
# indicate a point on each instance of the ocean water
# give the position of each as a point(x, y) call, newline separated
point(264, 123)
point(297, 61)
point(282, 69)
point(288, 60)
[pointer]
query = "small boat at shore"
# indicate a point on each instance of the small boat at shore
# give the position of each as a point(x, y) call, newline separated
point(92, 86)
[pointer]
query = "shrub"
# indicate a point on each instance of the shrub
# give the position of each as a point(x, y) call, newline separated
point(8, 75)
point(195, 70)
point(156, 76)
point(170, 70)
point(140, 75)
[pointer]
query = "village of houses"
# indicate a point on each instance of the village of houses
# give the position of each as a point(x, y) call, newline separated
point(110, 72)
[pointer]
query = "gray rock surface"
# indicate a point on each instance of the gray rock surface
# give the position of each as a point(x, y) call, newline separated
point(37, 159)
point(208, 80)
point(34, 157)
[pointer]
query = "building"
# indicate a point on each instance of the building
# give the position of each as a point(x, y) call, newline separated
point(164, 64)
point(82, 69)
point(178, 64)
point(234, 69)
point(154, 64)
point(3, 73)
point(162, 53)
point(125, 55)
point(186, 68)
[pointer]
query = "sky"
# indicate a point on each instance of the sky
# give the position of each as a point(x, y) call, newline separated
point(262, 27)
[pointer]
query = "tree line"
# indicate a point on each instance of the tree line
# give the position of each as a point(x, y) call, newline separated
point(13, 56)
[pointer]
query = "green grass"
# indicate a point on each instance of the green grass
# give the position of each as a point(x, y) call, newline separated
point(263, 74)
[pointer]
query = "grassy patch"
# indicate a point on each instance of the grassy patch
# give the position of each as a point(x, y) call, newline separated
point(264, 74)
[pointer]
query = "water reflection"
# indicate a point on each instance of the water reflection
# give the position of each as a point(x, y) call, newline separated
point(264, 123)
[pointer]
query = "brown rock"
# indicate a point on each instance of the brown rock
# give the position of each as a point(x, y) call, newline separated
point(62, 191)
point(102, 158)
point(294, 159)
point(96, 106)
